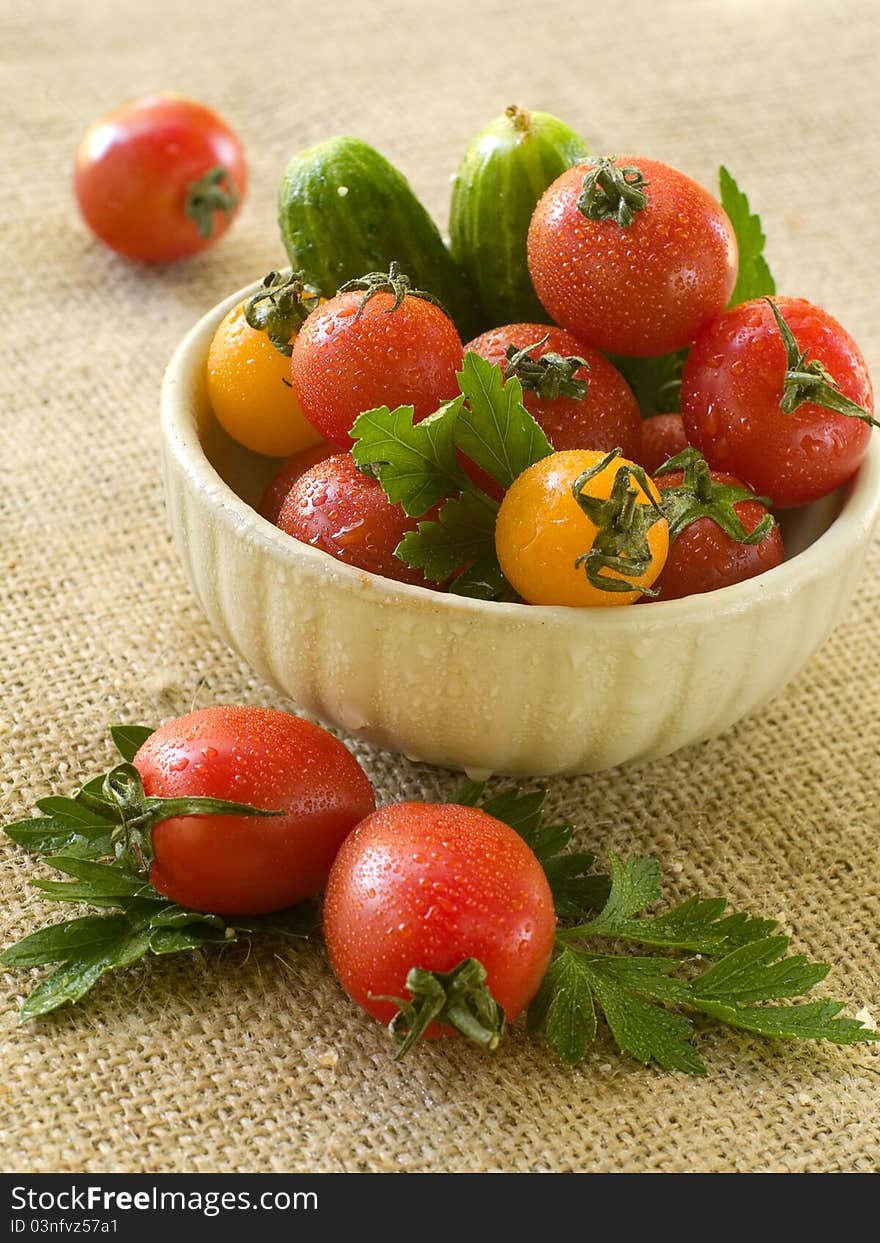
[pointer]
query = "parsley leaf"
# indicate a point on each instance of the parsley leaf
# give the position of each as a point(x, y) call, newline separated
point(129, 739)
point(754, 279)
point(697, 924)
point(418, 465)
point(563, 1008)
point(463, 534)
point(77, 840)
point(415, 463)
point(758, 972)
point(814, 1020)
point(495, 430)
point(145, 922)
point(641, 1028)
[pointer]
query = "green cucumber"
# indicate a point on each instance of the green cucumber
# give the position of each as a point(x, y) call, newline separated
point(506, 169)
point(345, 211)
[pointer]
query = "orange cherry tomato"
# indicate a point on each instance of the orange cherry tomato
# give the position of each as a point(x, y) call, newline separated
point(250, 393)
point(552, 552)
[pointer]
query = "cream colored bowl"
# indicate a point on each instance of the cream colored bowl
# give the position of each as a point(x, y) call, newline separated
point(487, 687)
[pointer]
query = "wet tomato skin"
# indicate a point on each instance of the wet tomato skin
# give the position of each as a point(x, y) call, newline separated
point(730, 394)
point(250, 393)
point(607, 418)
point(286, 476)
point(647, 288)
point(243, 865)
point(663, 436)
point(135, 165)
point(337, 508)
point(344, 363)
point(428, 885)
point(703, 558)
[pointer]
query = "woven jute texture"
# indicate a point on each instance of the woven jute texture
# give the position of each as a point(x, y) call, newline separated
point(254, 1059)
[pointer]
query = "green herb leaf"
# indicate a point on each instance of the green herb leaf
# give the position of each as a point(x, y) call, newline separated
point(463, 534)
point(642, 1029)
point(696, 924)
point(758, 972)
point(468, 794)
point(69, 811)
point(576, 889)
point(192, 936)
point(754, 279)
point(94, 880)
point(76, 977)
point(46, 835)
point(418, 465)
point(635, 884)
point(129, 739)
point(173, 916)
point(415, 463)
point(814, 1020)
point(63, 942)
point(494, 429)
point(483, 580)
point(563, 1008)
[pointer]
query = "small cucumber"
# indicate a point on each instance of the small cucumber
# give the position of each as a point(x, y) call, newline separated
point(345, 211)
point(506, 169)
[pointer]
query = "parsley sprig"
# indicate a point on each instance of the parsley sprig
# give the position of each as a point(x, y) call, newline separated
point(80, 838)
point(419, 465)
point(646, 1001)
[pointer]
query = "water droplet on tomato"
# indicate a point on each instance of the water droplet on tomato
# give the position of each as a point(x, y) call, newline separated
point(178, 765)
point(710, 420)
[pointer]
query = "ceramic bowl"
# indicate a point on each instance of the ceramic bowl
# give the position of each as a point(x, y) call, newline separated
point(486, 687)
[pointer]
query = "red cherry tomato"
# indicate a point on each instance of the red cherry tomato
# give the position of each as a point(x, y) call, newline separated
point(337, 508)
point(159, 178)
point(643, 288)
point(704, 558)
point(607, 418)
point(663, 436)
point(286, 476)
point(429, 885)
point(350, 356)
point(731, 392)
point(245, 865)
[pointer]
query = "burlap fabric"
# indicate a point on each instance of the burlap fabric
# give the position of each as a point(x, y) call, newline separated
point(253, 1059)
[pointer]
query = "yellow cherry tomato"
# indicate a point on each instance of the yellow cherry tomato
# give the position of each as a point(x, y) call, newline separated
point(557, 549)
point(247, 390)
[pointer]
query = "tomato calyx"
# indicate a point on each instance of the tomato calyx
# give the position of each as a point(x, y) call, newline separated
point(214, 192)
point(612, 193)
point(621, 541)
point(280, 307)
point(700, 496)
point(393, 281)
point(458, 998)
point(809, 380)
point(121, 798)
point(550, 376)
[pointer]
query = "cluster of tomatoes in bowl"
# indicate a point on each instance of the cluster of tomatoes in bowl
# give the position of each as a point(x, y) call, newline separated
point(630, 258)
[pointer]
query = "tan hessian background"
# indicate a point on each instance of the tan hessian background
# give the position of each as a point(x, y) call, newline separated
point(255, 1060)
